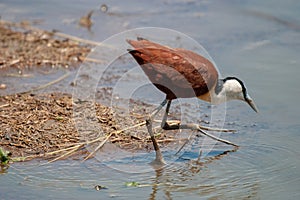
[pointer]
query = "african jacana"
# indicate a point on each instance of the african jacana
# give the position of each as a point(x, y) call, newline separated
point(180, 73)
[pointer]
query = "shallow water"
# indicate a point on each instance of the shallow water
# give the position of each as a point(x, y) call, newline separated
point(256, 41)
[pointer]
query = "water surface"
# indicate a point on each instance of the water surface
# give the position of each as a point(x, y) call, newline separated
point(254, 40)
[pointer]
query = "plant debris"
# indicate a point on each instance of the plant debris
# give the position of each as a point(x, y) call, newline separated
point(42, 125)
point(132, 184)
point(23, 46)
point(37, 124)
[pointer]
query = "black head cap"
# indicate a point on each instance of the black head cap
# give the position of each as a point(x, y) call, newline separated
point(241, 83)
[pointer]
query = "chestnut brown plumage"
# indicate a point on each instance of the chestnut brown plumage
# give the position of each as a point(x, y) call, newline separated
point(179, 73)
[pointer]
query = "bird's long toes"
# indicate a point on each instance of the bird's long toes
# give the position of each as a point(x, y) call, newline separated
point(216, 129)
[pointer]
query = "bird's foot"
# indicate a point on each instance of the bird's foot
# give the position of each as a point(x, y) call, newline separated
point(171, 125)
point(168, 125)
point(196, 127)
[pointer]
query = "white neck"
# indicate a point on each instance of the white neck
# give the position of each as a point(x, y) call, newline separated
point(231, 90)
point(218, 98)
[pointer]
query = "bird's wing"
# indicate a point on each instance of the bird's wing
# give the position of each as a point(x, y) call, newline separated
point(142, 43)
point(207, 70)
point(182, 67)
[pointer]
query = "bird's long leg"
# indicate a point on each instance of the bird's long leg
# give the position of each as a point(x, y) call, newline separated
point(159, 160)
point(164, 120)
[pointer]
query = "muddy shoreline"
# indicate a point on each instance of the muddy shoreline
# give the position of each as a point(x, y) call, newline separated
point(43, 126)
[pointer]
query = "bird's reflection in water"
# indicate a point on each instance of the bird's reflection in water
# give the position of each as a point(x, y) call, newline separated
point(164, 176)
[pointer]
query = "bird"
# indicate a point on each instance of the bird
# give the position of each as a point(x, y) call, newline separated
point(181, 73)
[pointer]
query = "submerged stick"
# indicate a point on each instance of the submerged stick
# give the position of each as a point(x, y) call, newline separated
point(78, 39)
point(187, 141)
point(74, 38)
point(48, 84)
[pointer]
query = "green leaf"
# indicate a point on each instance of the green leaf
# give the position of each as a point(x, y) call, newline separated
point(132, 184)
point(3, 157)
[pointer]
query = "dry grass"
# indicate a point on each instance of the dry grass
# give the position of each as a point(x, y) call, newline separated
point(42, 125)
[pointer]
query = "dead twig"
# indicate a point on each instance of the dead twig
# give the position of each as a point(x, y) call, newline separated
point(48, 84)
point(66, 154)
point(91, 59)
point(19, 75)
point(4, 105)
point(73, 149)
point(74, 38)
point(105, 140)
point(99, 146)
